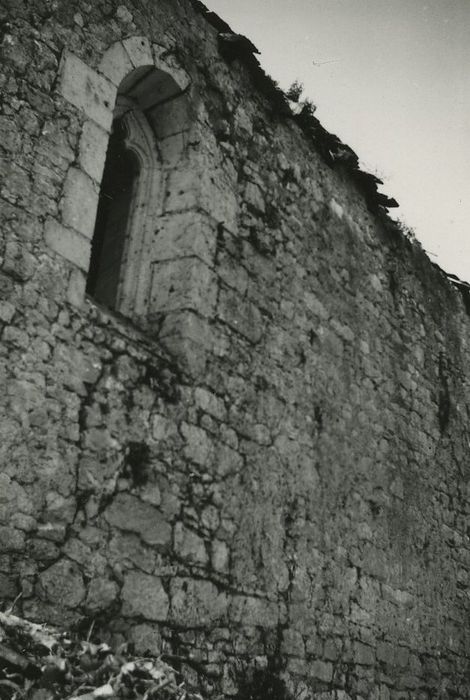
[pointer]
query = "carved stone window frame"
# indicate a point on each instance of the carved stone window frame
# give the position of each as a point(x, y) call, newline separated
point(146, 206)
point(170, 289)
point(102, 95)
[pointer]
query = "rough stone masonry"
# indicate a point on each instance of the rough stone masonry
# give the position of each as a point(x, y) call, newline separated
point(260, 454)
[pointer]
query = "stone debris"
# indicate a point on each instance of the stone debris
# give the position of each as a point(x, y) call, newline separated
point(38, 662)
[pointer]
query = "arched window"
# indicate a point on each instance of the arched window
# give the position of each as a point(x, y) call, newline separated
point(142, 237)
point(110, 243)
point(132, 191)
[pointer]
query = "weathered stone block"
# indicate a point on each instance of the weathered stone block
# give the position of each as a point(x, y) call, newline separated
point(123, 15)
point(146, 639)
point(13, 499)
point(210, 403)
point(186, 336)
point(184, 235)
point(101, 593)
point(240, 314)
point(210, 518)
point(139, 51)
point(144, 596)
point(167, 119)
point(172, 148)
point(196, 602)
point(87, 90)
point(384, 652)
point(243, 121)
point(130, 514)
point(163, 428)
point(92, 150)
point(258, 611)
point(128, 551)
point(254, 197)
point(314, 305)
point(183, 284)
point(17, 261)
point(116, 63)
point(220, 557)
point(166, 62)
point(336, 208)
point(293, 643)
point(79, 202)
point(62, 584)
point(8, 587)
point(37, 611)
point(9, 135)
point(76, 288)
point(24, 522)
point(199, 447)
point(231, 273)
point(364, 654)
point(11, 540)
point(190, 546)
point(7, 311)
point(321, 670)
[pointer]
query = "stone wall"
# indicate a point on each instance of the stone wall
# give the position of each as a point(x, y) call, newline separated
point(271, 465)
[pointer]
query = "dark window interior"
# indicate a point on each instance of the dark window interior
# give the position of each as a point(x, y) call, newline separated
point(112, 220)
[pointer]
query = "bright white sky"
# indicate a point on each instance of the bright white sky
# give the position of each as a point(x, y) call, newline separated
point(399, 95)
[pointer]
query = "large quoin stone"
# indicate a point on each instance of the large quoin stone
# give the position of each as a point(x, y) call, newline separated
point(68, 244)
point(92, 150)
point(87, 90)
point(115, 64)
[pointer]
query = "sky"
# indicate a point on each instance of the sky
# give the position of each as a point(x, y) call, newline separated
point(396, 88)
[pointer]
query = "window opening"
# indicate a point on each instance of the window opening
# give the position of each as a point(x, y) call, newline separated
point(148, 137)
point(111, 234)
